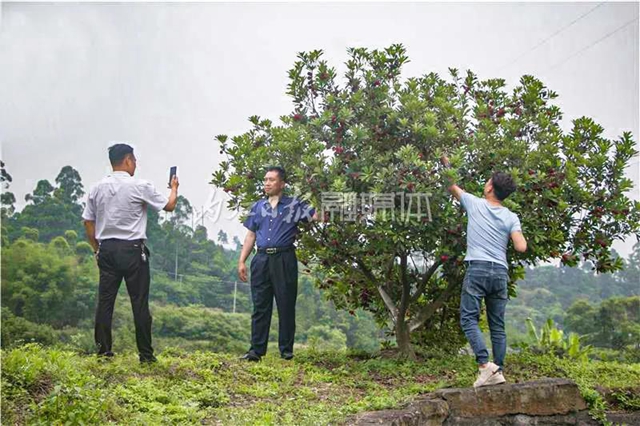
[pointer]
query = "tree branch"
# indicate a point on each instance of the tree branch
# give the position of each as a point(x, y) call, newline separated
point(406, 289)
point(387, 273)
point(388, 301)
point(425, 280)
point(426, 312)
point(393, 310)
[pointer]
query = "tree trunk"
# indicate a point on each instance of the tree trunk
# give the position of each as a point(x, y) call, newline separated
point(403, 339)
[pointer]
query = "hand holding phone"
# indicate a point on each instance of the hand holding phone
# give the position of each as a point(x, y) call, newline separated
point(172, 173)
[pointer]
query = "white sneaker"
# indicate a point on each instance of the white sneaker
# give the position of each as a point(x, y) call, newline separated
point(496, 379)
point(489, 375)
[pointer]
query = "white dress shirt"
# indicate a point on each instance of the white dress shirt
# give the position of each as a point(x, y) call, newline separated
point(118, 205)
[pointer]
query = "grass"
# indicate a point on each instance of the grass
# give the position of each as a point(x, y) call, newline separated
point(57, 386)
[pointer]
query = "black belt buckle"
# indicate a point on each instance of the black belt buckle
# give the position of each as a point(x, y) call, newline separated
point(271, 250)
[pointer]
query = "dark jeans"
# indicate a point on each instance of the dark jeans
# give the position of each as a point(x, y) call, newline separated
point(486, 280)
point(123, 259)
point(274, 275)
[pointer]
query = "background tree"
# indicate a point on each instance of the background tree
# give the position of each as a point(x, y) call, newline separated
point(222, 237)
point(376, 132)
point(48, 283)
point(53, 210)
point(7, 199)
point(614, 323)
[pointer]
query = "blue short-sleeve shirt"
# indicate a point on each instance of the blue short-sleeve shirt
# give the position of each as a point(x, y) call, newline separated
point(277, 227)
point(488, 229)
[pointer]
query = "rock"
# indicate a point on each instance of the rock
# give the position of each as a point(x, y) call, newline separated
point(424, 411)
point(543, 402)
point(630, 419)
point(545, 397)
point(574, 419)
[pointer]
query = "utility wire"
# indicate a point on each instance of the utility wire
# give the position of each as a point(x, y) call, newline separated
point(551, 36)
point(620, 28)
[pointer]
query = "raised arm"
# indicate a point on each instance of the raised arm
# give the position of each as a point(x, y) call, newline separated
point(454, 189)
point(173, 196)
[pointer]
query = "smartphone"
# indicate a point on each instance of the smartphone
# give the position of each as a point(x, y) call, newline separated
point(172, 173)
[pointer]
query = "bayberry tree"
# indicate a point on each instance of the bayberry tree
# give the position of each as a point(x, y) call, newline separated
point(371, 142)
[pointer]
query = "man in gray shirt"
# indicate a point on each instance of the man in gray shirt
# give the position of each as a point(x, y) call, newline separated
point(489, 228)
point(115, 219)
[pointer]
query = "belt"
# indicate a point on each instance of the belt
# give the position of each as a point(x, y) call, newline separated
point(274, 250)
point(483, 262)
point(117, 240)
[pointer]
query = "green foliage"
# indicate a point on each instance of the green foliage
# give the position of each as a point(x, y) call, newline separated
point(312, 309)
point(221, 331)
point(7, 199)
point(326, 338)
point(375, 132)
point(615, 323)
point(569, 295)
point(52, 210)
point(53, 386)
point(17, 331)
point(552, 339)
point(31, 234)
point(48, 284)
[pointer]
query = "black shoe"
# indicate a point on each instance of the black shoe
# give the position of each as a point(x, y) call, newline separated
point(148, 360)
point(286, 356)
point(251, 357)
point(105, 356)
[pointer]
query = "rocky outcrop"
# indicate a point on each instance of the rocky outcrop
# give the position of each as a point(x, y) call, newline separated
point(542, 402)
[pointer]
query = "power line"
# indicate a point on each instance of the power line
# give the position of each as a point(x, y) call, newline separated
point(594, 43)
point(196, 276)
point(551, 36)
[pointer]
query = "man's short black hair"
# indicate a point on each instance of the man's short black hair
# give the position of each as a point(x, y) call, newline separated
point(503, 185)
point(281, 172)
point(118, 152)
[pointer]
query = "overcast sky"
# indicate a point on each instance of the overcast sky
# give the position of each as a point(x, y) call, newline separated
point(167, 77)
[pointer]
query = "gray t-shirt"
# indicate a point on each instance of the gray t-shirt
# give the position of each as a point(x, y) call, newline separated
point(488, 229)
point(118, 205)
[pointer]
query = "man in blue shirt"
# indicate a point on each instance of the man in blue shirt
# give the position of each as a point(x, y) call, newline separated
point(273, 225)
point(489, 228)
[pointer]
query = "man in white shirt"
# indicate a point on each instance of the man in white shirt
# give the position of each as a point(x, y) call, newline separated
point(115, 219)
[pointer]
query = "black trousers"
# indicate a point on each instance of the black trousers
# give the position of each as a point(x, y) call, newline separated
point(119, 259)
point(274, 275)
